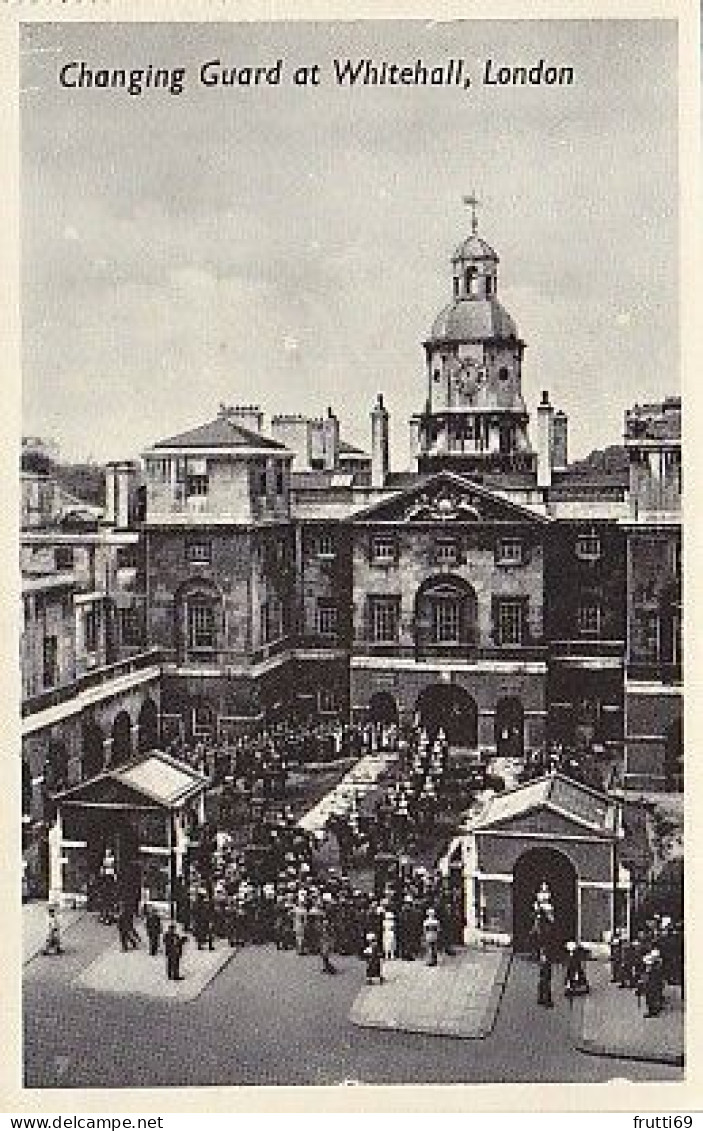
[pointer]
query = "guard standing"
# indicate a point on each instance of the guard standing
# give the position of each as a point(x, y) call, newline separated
point(544, 988)
point(173, 947)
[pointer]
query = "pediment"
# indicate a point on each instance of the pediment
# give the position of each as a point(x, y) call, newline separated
point(448, 498)
point(544, 820)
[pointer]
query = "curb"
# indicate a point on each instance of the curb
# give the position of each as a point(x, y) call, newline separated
point(490, 1016)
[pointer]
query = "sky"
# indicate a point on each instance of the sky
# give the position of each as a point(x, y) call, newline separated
point(290, 246)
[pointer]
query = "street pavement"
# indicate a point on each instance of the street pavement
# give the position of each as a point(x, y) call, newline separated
point(459, 997)
point(117, 971)
point(272, 1017)
point(613, 1023)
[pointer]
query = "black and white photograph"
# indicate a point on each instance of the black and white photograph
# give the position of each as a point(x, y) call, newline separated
point(351, 624)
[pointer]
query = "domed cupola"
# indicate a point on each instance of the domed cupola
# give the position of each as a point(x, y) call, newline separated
point(477, 415)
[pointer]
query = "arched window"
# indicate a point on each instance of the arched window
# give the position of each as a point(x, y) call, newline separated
point(445, 614)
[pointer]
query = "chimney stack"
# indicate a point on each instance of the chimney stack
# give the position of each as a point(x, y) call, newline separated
point(560, 441)
point(330, 440)
point(380, 459)
point(121, 482)
point(248, 416)
point(545, 415)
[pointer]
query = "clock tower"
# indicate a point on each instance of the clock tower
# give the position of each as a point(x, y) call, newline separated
point(475, 419)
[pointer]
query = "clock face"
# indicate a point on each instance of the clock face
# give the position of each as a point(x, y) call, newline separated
point(467, 378)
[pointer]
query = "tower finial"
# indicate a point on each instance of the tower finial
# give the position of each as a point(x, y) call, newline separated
point(473, 202)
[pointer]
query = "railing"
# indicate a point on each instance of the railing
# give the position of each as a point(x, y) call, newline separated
point(55, 696)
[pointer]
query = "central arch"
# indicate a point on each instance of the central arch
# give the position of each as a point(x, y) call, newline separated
point(449, 706)
point(532, 868)
point(121, 739)
point(148, 726)
point(383, 709)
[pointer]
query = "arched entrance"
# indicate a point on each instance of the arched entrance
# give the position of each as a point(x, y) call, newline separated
point(449, 706)
point(383, 709)
point(121, 739)
point(148, 726)
point(510, 728)
point(531, 869)
point(93, 757)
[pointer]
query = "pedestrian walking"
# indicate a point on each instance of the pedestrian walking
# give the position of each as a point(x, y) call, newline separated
point(173, 948)
point(544, 985)
point(431, 932)
point(53, 933)
point(129, 939)
point(152, 923)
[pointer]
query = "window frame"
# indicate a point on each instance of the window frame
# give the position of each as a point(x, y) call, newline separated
point(585, 607)
point(322, 538)
point(384, 609)
point(507, 607)
point(581, 546)
point(503, 559)
point(195, 605)
point(391, 542)
point(194, 542)
point(323, 610)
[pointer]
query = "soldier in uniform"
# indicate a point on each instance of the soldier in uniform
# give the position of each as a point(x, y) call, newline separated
point(173, 948)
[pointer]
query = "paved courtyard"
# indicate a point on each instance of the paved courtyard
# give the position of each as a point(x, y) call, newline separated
point(457, 998)
point(270, 1017)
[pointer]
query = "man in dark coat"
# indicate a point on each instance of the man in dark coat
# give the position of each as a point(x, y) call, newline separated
point(173, 948)
point(152, 922)
point(544, 986)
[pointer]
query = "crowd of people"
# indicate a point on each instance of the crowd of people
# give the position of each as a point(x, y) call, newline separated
point(649, 961)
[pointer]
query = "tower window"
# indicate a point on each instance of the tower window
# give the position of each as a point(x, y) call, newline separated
point(489, 286)
point(503, 373)
point(437, 375)
point(456, 287)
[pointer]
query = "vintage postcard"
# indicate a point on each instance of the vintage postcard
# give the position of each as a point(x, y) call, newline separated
point(350, 529)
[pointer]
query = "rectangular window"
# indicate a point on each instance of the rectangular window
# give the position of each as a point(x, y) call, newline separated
point(589, 618)
point(588, 547)
point(280, 479)
point(325, 545)
point(326, 619)
point(509, 551)
point(646, 636)
point(260, 480)
point(197, 485)
point(511, 621)
point(384, 618)
point(64, 557)
point(199, 550)
point(446, 620)
point(91, 629)
point(383, 550)
point(327, 701)
point(446, 552)
point(50, 661)
point(131, 632)
point(201, 627)
point(126, 557)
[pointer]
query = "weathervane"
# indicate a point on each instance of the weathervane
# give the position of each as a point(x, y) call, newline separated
point(473, 202)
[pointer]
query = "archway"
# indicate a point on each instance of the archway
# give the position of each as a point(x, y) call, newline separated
point(510, 728)
point(531, 869)
point(449, 706)
point(93, 751)
point(121, 739)
point(148, 726)
point(383, 709)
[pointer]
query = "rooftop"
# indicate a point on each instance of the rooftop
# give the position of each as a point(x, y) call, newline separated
point(220, 433)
